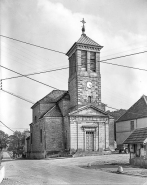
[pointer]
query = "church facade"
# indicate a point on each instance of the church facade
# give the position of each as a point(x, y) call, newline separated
point(74, 120)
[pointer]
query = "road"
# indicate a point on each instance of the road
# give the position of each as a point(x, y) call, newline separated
point(66, 171)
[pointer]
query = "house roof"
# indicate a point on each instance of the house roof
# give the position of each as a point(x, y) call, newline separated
point(138, 110)
point(52, 97)
point(138, 136)
point(53, 112)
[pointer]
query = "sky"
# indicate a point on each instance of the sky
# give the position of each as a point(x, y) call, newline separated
point(119, 26)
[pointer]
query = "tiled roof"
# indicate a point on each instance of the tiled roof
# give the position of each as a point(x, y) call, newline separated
point(53, 112)
point(138, 110)
point(52, 97)
point(86, 40)
point(138, 136)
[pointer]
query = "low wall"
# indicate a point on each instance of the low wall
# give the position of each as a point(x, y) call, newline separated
point(36, 155)
point(137, 161)
point(2, 173)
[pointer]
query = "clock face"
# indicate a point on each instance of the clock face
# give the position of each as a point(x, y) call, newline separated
point(89, 85)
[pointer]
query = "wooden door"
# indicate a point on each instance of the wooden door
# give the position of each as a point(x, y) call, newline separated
point(89, 141)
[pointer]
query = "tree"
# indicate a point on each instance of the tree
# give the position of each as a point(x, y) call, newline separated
point(3, 140)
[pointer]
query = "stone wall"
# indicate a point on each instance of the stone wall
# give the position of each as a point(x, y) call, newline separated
point(37, 147)
point(111, 132)
point(54, 134)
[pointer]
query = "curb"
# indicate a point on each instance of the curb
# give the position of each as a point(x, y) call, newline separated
point(2, 173)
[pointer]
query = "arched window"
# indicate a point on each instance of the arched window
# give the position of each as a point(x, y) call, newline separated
point(35, 119)
point(89, 99)
point(40, 135)
point(84, 60)
point(93, 61)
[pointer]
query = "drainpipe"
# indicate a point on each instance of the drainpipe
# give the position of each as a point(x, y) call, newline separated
point(45, 139)
point(98, 136)
point(77, 136)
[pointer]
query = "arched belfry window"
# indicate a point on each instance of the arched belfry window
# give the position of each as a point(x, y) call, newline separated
point(84, 60)
point(89, 99)
point(72, 64)
point(93, 61)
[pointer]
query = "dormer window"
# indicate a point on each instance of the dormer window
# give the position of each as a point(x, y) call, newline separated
point(93, 61)
point(72, 64)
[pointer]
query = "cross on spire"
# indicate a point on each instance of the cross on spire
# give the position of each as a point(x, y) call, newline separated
point(83, 28)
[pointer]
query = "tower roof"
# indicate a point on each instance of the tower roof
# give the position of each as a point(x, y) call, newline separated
point(84, 39)
point(86, 43)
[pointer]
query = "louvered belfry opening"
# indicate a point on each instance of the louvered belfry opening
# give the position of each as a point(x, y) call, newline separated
point(84, 60)
point(72, 64)
point(93, 61)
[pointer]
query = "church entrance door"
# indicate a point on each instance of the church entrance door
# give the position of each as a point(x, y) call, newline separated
point(89, 140)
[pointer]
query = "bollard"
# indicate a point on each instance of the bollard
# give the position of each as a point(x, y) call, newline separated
point(89, 165)
point(120, 169)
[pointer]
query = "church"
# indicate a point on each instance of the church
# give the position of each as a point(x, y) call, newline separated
point(74, 120)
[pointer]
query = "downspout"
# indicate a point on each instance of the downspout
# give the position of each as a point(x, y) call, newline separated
point(77, 136)
point(45, 139)
point(98, 137)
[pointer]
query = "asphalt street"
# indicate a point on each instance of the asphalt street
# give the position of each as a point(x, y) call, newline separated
point(66, 171)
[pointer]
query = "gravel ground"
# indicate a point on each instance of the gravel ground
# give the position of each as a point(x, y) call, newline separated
point(112, 165)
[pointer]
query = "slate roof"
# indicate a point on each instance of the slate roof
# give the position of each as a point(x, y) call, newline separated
point(138, 136)
point(53, 112)
point(52, 97)
point(138, 110)
point(86, 40)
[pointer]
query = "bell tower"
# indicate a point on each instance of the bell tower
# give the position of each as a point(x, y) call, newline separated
point(84, 83)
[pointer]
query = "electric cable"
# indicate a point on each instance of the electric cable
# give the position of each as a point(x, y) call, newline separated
point(33, 44)
point(17, 96)
point(101, 61)
point(28, 77)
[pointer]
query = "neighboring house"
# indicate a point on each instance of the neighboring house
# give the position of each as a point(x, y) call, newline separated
point(116, 115)
point(138, 147)
point(74, 120)
point(135, 117)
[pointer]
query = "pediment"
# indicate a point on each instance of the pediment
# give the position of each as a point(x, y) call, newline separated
point(89, 111)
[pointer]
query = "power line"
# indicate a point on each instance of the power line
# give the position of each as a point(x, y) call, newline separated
point(18, 96)
point(15, 128)
point(102, 61)
point(7, 126)
point(58, 69)
point(33, 44)
point(28, 77)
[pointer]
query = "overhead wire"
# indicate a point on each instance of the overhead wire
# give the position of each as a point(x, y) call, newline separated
point(101, 61)
point(17, 96)
point(28, 77)
point(7, 126)
point(32, 44)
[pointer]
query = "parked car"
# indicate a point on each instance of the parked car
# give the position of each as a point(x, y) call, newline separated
point(123, 148)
